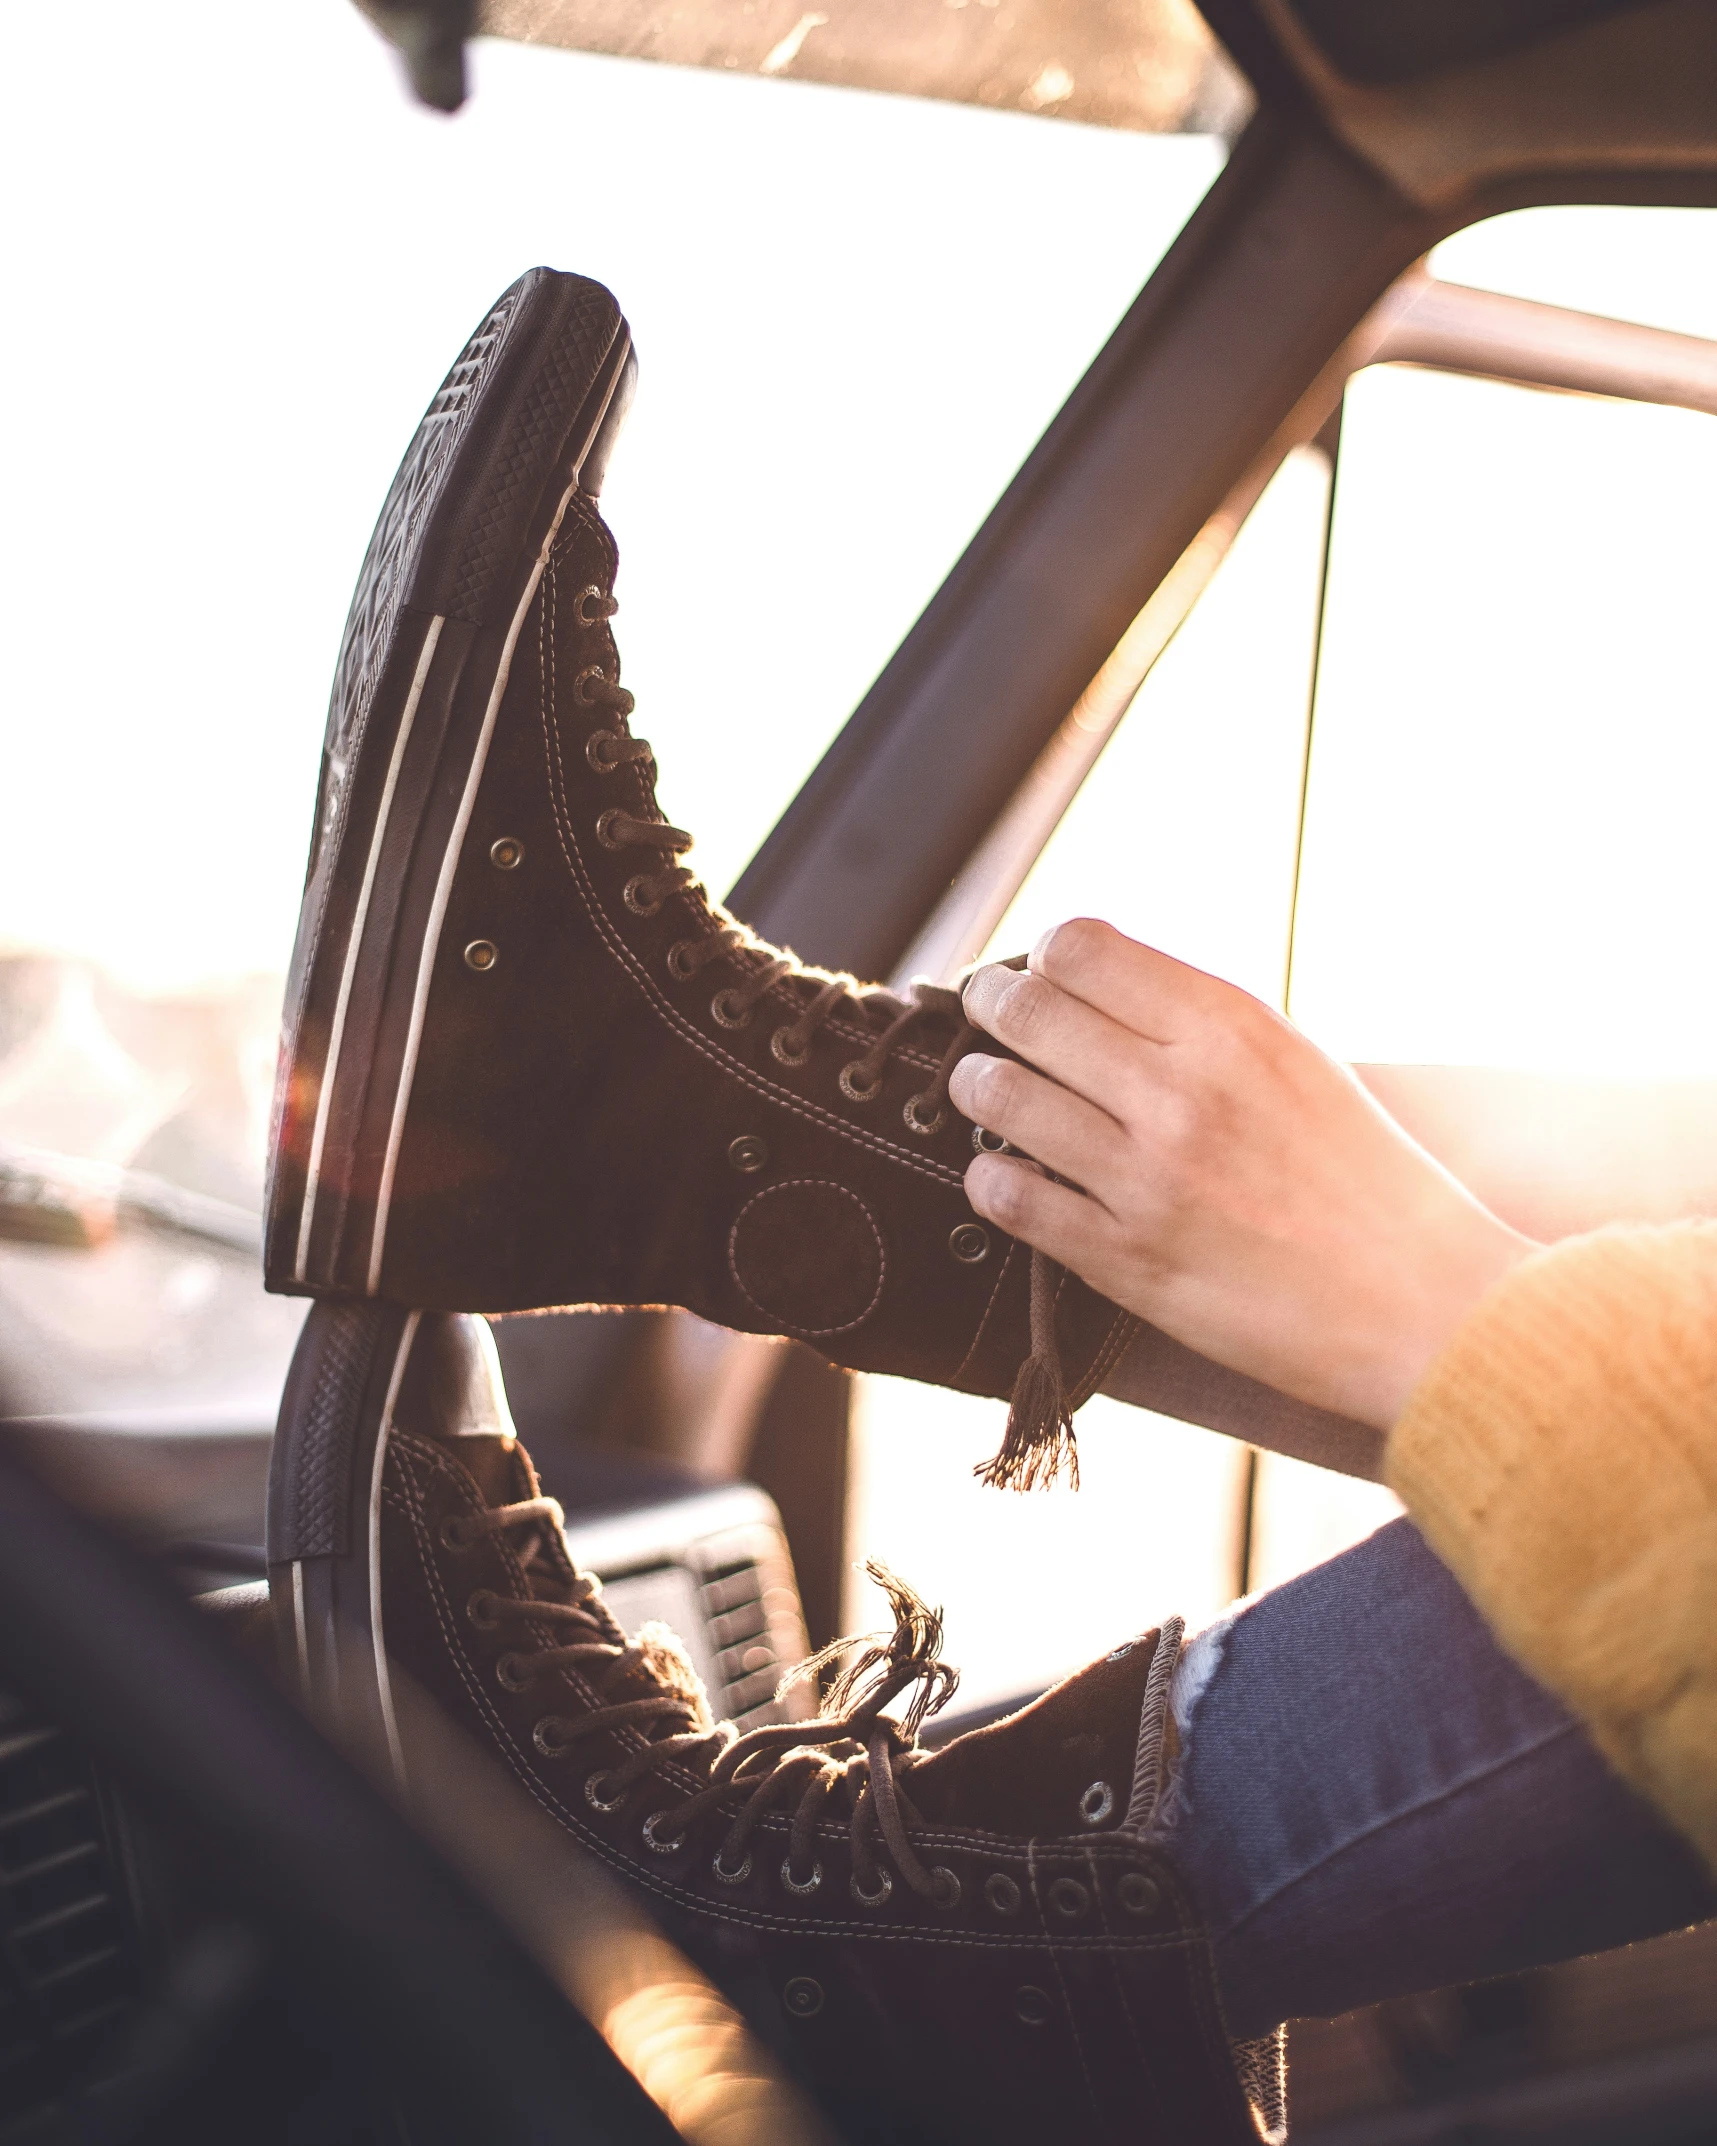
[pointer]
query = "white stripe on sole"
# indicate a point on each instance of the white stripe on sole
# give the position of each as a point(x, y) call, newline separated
point(354, 939)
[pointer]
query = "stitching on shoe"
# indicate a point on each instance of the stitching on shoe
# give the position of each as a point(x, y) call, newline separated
point(789, 1185)
point(994, 1299)
point(1067, 2003)
point(407, 1448)
point(621, 952)
point(1114, 1344)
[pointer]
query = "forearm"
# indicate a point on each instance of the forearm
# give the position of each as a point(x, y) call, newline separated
point(1561, 1457)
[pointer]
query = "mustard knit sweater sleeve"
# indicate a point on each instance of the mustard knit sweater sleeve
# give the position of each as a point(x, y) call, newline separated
point(1560, 1456)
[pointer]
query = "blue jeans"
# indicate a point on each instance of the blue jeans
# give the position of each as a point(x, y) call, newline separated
point(1372, 1799)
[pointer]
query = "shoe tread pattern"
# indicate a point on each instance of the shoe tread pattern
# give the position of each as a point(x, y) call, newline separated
point(310, 1478)
point(535, 432)
point(396, 543)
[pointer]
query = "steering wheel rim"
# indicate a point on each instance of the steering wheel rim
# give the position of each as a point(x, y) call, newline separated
point(301, 1839)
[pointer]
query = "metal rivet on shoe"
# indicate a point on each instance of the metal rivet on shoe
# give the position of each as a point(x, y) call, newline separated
point(455, 1534)
point(553, 1737)
point(718, 1869)
point(1096, 1803)
point(969, 1244)
point(1120, 1653)
point(596, 752)
point(988, 1143)
point(859, 1091)
point(1002, 1894)
point(730, 1010)
point(507, 854)
point(947, 1887)
point(481, 954)
point(1138, 1894)
point(681, 967)
point(479, 1611)
point(749, 1152)
point(1032, 2007)
point(593, 1787)
point(1068, 1897)
point(581, 606)
point(661, 1847)
point(803, 1997)
point(639, 897)
point(917, 1123)
point(508, 1673)
point(605, 828)
point(884, 1886)
point(779, 1044)
point(797, 1885)
point(590, 670)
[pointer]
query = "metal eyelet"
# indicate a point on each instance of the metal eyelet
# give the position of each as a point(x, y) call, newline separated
point(593, 752)
point(1002, 1893)
point(778, 1047)
point(455, 1533)
point(507, 854)
point(550, 1745)
point(1032, 2007)
point(1138, 1894)
point(605, 1804)
point(1069, 1898)
point(660, 1847)
point(730, 1010)
point(947, 1893)
point(718, 1869)
point(605, 828)
point(871, 1900)
point(482, 955)
point(680, 967)
point(478, 1612)
point(916, 1124)
point(1096, 1803)
point(987, 1143)
point(590, 670)
point(507, 1673)
point(631, 895)
point(970, 1244)
point(749, 1153)
point(803, 1997)
point(584, 615)
point(792, 1883)
point(851, 1089)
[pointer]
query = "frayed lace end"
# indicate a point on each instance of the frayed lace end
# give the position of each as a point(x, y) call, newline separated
point(1039, 1440)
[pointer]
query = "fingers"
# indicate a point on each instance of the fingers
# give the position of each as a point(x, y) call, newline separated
point(1053, 1218)
point(1075, 1043)
point(1051, 1123)
point(1148, 992)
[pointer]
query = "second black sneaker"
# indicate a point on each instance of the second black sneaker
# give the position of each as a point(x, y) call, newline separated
point(976, 1946)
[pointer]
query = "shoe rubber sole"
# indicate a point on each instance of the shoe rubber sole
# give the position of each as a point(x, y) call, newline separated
point(525, 418)
point(324, 1517)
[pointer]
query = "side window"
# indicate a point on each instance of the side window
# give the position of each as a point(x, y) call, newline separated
point(1507, 849)
point(1481, 840)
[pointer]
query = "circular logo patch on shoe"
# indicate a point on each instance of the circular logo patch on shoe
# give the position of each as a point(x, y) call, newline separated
point(808, 1255)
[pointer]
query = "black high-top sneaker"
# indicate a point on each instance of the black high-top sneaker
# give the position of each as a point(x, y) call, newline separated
point(979, 1944)
point(526, 1061)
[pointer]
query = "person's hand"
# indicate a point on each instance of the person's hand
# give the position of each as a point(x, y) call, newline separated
point(1228, 1182)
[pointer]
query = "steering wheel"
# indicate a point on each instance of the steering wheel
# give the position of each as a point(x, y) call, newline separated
point(298, 1838)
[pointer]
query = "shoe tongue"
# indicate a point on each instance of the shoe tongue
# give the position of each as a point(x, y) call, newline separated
point(1042, 1773)
point(452, 1391)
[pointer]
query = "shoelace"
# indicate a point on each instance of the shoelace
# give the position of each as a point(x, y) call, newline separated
point(851, 1751)
point(1039, 1438)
